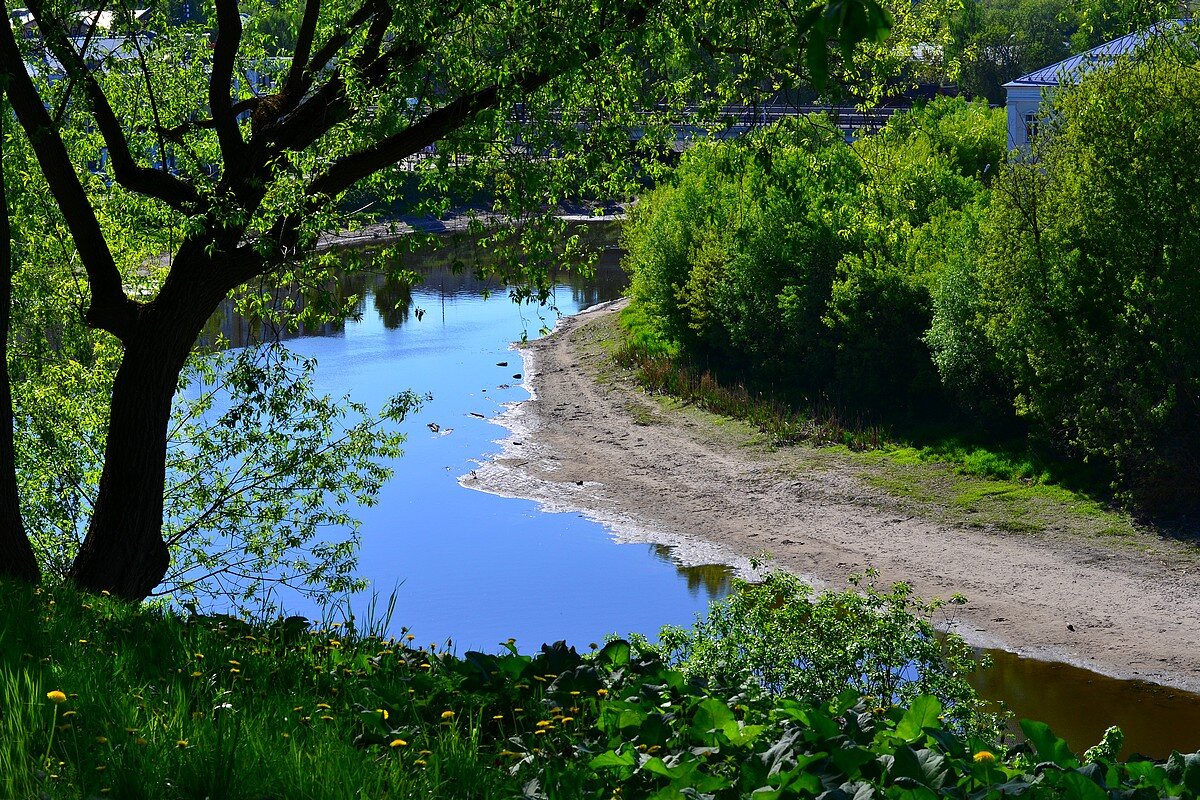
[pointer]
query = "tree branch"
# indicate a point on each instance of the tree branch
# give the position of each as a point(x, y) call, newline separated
point(143, 180)
point(220, 82)
point(110, 309)
point(294, 85)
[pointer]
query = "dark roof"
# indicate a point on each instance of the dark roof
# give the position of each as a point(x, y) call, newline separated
point(1071, 69)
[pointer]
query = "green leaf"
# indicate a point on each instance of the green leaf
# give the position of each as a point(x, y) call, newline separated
point(615, 654)
point(922, 714)
point(1048, 746)
point(613, 759)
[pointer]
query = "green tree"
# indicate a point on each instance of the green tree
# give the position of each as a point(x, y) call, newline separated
point(527, 100)
point(1091, 275)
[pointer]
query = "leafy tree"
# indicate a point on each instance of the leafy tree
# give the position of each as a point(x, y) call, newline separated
point(257, 157)
point(1091, 273)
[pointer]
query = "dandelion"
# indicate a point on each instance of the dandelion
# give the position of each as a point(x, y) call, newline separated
point(234, 671)
point(498, 716)
point(327, 718)
point(66, 714)
point(565, 720)
point(298, 709)
point(985, 757)
point(602, 692)
point(447, 715)
point(181, 743)
point(410, 637)
point(383, 713)
point(197, 674)
point(574, 694)
point(323, 705)
point(424, 752)
point(235, 663)
point(544, 723)
point(131, 730)
point(101, 740)
point(420, 762)
point(56, 697)
point(398, 743)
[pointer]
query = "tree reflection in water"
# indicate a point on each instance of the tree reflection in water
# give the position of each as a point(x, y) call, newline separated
point(714, 579)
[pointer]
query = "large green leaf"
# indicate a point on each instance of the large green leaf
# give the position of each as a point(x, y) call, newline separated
point(1048, 746)
point(922, 714)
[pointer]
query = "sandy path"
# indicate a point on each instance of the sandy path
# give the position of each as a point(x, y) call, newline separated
point(590, 441)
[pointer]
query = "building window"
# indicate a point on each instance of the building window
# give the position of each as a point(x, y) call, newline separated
point(1032, 125)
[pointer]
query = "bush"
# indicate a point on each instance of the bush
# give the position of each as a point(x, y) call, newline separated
point(1093, 270)
point(781, 635)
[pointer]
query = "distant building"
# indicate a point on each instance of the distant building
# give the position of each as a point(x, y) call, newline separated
point(1027, 93)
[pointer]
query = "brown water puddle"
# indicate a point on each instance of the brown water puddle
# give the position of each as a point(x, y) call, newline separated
point(1079, 704)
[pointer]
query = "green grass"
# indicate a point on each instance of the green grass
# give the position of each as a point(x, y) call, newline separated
point(102, 699)
point(1015, 487)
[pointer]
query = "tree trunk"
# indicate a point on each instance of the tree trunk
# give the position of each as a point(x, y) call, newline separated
point(124, 552)
point(16, 556)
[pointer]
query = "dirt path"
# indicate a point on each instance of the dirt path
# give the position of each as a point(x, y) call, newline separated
point(591, 441)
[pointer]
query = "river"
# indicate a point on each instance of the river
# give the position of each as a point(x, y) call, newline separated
point(477, 569)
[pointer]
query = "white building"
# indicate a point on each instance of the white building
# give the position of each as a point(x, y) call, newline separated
point(1026, 93)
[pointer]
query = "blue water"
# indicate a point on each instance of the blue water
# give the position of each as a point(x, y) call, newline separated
point(468, 566)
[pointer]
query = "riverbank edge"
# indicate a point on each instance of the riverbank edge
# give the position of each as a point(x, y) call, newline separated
point(531, 466)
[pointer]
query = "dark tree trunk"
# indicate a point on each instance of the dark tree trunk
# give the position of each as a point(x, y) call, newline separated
point(16, 556)
point(124, 552)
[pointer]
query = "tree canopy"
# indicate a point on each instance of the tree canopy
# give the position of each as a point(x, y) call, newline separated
point(183, 158)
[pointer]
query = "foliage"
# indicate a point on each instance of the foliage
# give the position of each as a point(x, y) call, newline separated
point(104, 698)
point(1090, 278)
point(793, 642)
point(994, 41)
point(796, 260)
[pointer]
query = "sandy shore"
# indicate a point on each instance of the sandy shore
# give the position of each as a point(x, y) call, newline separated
point(592, 442)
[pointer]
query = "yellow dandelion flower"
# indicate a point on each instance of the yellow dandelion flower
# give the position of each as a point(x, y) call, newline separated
point(447, 714)
point(234, 671)
point(101, 740)
point(235, 663)
point(287, 735)
point(565, 720)
point(398, 743)
point(181, 743)
point(323, 705)
point(66, 714)
point(420, 762)
point(410, 637)
point(602, 692)
point(498, 716)
point(131, 730)
point(383, 713)
point(101, 767)
point(327, 718)
point(518, 710)
point(542, 723)
point(540, 732)
point(424, 752)
point(197, 674)
point(574, 694)
point(985, 757)
point(56, 697)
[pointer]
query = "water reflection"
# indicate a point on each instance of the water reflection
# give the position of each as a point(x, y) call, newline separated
point(707, 580)
point(1079, 705)
point(442, 275)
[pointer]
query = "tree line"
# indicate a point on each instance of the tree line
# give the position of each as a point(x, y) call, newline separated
point(922, 273)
